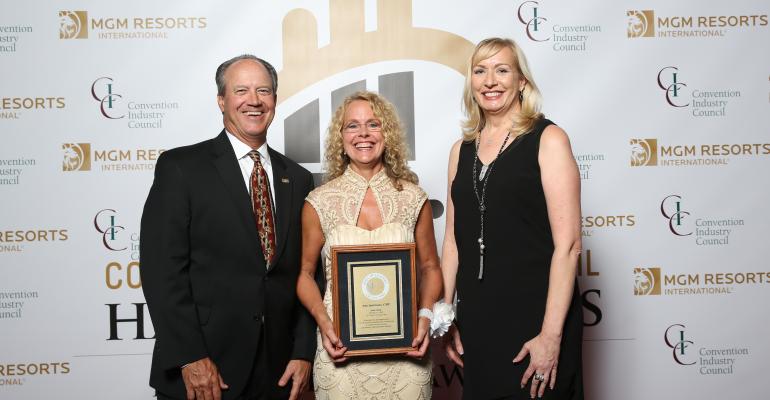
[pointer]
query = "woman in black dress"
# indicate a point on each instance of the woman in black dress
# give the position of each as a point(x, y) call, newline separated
point(512, 238)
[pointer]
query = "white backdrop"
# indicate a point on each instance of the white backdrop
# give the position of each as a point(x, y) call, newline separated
point(666, 105)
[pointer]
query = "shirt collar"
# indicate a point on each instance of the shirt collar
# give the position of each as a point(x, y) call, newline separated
point(242, 149)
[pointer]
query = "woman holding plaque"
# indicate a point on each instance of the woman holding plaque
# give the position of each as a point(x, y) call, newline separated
point(370, 197)
point(512, 238)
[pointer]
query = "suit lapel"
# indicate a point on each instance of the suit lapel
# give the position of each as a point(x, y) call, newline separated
point(283, 185)
point(227, 165)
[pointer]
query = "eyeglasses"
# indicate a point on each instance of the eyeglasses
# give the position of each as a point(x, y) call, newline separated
point(357, 127)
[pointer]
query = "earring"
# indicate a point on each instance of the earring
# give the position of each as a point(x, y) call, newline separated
point(521, 96)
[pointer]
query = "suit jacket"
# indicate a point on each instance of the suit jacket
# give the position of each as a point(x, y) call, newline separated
point(204, 277)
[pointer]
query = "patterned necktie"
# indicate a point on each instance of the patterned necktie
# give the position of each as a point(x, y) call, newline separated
point(263, 210)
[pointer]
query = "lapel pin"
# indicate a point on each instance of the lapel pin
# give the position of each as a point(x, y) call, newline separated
point(284, 180)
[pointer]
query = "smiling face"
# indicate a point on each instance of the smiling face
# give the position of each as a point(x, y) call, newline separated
point(362, 136)
point(248, 103)
point(496, 82)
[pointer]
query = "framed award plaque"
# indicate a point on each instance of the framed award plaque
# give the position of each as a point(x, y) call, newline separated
point(374, 298)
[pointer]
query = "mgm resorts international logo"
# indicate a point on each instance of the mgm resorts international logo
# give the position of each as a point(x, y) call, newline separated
point(19, 374)
point(590, 223)
point(644, 24)
point(80, 157)
point(138, 115)
point(710, 360)
point(652, 281)
point(14, 107)
point(76, 25)
point(705, 231)
point(650, 152)
point(700, 102)
point(338, 72)
point(563, 37)
point(17, 240)
point(114, 237)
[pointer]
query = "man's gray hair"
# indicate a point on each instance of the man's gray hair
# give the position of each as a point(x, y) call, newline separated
point(220, 76)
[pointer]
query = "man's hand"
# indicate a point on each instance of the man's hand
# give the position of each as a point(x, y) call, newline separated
point(298, 371)
point(202, 380)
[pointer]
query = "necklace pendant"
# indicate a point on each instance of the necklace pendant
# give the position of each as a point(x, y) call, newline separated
point(481, 265)
point(481, 258)
point(483, 172)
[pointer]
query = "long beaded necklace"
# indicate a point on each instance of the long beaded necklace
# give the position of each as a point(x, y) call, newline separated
point(486, 172)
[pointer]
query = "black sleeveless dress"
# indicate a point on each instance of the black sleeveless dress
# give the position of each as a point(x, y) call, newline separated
point(498, 314)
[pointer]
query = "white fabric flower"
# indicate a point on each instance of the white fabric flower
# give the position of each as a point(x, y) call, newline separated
point(443, 315)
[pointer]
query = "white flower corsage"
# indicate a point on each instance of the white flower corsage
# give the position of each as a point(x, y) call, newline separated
point(443, 315)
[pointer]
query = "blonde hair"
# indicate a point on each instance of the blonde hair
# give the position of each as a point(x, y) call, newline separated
point(529, 113)
point(394, 157)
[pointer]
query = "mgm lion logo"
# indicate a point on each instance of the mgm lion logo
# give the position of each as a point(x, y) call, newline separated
point(77, 157)
point(640, 23)
point(644, 152)
point(73, 25)
point(646, 281)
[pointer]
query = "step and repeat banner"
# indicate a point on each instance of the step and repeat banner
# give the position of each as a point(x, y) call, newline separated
point(666, 104)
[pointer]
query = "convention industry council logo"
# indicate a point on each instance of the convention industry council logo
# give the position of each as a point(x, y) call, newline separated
point(11, 36)
point(13, 302)
point(23, 373)
point(11, 169)
point(304, 94)
point(12, 108)
point(77, 24)
point(137, 114)
point(704, 231)
point(646, 24)
point(586, 162)
point(81, 157)
point(562, 36)
point(653, 281)
point(708, 359)
point(651, 152)
point(113, 235)
point(701, 102)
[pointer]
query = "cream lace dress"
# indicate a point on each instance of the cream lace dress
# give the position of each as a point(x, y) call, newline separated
point(338, 204)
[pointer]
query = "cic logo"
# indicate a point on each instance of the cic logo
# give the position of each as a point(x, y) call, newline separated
point(101, 91)
point(668, 81)
point(674, 338)
point(671, 208)
point(532, 21)
point(104, 222)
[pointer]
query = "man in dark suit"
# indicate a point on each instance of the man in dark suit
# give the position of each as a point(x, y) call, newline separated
point(220, 251)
